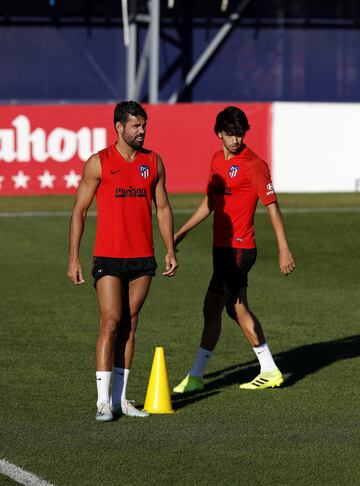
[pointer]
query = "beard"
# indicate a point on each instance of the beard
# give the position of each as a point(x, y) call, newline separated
point(135, 143)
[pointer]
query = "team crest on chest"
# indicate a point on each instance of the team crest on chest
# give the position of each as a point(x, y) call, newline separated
point(233, 170)
point(144, 171)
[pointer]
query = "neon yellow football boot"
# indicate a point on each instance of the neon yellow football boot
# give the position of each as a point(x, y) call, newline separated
point(266, 379)
point(189, 384)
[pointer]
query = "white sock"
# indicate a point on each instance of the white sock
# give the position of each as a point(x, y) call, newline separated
point(265, 358)
point(119, 384)
point(201, 361)
point(103, 386)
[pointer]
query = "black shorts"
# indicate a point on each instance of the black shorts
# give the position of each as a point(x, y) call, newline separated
point(126, 269)
point(231, 268)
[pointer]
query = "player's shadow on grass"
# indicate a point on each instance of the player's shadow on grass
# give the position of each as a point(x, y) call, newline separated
point(295, 364)
point(180, 401)
point(308, 359)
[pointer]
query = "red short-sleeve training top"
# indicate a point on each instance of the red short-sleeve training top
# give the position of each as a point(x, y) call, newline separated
point(234, 186)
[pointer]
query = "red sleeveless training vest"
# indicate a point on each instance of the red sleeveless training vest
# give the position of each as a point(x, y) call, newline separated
point(124, 203)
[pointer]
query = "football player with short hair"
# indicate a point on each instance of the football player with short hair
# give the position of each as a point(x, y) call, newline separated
point(126, 179)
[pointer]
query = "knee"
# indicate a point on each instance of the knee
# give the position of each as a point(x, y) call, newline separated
point(129, 323)
point(108, 324)
point(134, 322)
point(211, 313)
point(206, 311)
point(239, 313)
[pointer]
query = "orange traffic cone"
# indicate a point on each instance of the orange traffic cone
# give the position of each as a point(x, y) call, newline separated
point(158, 399)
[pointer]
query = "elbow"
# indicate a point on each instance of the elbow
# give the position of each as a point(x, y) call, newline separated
point(79, 213)
point(162, 211)
point(84, 212)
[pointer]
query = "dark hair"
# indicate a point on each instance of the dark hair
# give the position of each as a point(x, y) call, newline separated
point(233, 121)
point(126, 108)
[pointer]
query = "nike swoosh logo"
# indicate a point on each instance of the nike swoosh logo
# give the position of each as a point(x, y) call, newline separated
point(114, 171)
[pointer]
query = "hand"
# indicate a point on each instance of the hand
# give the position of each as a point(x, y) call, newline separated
point(170, 265)
point(286, 261)
point(75, 272)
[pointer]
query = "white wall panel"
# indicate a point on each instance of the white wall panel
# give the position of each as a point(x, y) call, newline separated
point(316, 147)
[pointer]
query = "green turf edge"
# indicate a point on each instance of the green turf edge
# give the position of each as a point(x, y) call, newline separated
point(182, 201)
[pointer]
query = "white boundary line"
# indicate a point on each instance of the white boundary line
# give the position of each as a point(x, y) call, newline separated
point(33, 214)
point(20, 475)
point(36, 214)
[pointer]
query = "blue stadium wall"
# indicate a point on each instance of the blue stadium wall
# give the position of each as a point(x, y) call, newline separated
point(44, 63)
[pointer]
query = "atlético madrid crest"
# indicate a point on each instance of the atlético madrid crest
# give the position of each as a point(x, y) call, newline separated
point(144, 171)
point(233, 170)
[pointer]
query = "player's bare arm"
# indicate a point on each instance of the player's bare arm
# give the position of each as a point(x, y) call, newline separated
point(286, 259)
point(84, 196)
point(165, 220)
point(202, 212)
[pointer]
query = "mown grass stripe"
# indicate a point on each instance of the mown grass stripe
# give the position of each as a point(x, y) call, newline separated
point(36, 214)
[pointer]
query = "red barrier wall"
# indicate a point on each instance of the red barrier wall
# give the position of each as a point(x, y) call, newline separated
point(43, 147)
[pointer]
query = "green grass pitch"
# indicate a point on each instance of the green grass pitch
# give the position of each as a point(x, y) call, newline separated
point(306, 433)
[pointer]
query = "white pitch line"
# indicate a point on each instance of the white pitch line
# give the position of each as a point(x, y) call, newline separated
point(36, 214)
point(20, 475)
point(32, 214)
point(355, 209)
